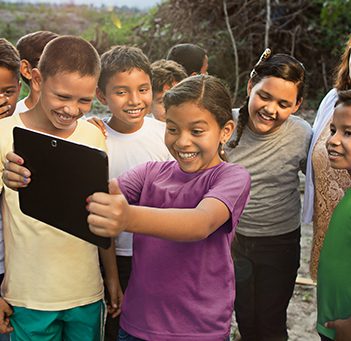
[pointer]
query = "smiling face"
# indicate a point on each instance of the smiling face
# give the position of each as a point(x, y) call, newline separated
point(128, 95)
point(339, 143)
point(193, 136)
point(9, 88)
point(272, 100)
point(64, 98)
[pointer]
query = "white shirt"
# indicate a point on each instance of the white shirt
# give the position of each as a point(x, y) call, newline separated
point(21, 107)
point(127, 151)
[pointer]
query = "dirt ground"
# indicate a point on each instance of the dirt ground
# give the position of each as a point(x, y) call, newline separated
point(302, 313)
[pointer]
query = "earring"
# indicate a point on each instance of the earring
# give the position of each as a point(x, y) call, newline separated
point(222, 152)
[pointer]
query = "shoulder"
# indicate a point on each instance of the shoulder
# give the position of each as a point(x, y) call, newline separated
point(6, 127)
point(152, 123)
point(88, 127)
point(8, 122)
point(89, 134)
point(232, 172)
point(329, 98)
point(326, 107)
point(300, 124)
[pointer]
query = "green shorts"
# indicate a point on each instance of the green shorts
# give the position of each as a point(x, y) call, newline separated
point(79, 323)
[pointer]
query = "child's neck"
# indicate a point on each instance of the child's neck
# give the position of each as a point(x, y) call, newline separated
point(123, 128)
point(31, 99)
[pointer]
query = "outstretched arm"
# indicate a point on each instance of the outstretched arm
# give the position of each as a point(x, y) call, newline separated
point(110, 214)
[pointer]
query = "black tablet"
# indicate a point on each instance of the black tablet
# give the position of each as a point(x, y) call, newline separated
point(64, 174)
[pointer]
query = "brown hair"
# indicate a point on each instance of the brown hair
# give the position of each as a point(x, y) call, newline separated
point(9, 57)
point(166, 72)
point(342, 72)
point(120, 59)
point(344, 98)
point(280, 66)
point(31, 46)
point(69, 54)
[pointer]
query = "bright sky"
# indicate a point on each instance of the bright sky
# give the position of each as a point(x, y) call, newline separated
point(130, 3)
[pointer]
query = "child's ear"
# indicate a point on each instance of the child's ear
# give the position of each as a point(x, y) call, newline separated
point(26, 69)
point(297, 105)
point(249, 87)
point(36, 79)
point(101, 96)
point(227, 131)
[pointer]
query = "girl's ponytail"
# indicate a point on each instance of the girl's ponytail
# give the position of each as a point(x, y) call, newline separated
point(243, 119)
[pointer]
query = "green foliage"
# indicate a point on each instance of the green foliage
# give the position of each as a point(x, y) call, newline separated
point(102, 26)
point(334, 23)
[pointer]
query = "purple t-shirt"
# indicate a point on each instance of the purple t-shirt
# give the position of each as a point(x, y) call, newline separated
point(182, 290)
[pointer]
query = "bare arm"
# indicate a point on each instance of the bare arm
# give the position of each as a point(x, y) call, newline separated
point(108, 260)
point(110, 214)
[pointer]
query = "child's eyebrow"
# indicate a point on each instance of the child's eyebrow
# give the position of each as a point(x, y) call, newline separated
point(200, 122)
point(8, 88)
point(192, 123)
point(128, 87)
point(120, 87)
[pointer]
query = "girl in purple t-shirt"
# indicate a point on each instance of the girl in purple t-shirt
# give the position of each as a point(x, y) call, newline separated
point(183, 214)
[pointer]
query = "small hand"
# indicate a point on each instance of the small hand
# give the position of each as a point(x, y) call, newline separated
point(15, 175)
point(108, 212)
point(116, 298)
point(342, 328)
point(98, 123)
point(4, 106)
point(5, 313)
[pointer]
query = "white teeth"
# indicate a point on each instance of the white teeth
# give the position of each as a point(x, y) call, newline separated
point(64, 117)
point(334, 154)
point(266, 117)
point(134, 111)
point(187, 155)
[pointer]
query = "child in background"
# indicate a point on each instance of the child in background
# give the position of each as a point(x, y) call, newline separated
point(132, 139)
point(272, 145)
point(9, 91)
point(30, 48)
point(165, 74)
point(192, 57)
point(10, 84)
point(333, 282)
point(52, 279)
point(183, 214)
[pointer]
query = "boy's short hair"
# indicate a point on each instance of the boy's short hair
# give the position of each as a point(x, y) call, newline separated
point(69, 54)
point(166, 72)
point(31, 46)
point(190, 56)
point(120, 59)
point(344, 98)
point(9, 57)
